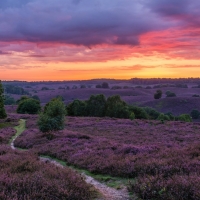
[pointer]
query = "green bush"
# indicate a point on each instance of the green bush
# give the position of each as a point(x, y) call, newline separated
point(140, 113)
point(53, 117)
point(184, 118)
point(153, 114)
point(163, 117)
point(77, 108)
point(115, 107)
point(29, 106)
point(96, 105)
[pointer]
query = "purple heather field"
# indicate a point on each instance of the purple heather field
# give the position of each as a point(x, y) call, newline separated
point(164, 158)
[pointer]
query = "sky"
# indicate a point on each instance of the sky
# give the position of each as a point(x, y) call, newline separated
point(43, 40)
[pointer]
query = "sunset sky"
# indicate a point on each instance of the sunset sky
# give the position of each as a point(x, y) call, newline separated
point(89, 39)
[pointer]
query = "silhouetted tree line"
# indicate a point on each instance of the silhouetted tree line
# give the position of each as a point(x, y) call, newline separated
point(11, 89)
point(99, 106)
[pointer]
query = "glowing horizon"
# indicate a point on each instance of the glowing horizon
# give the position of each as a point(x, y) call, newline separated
point(82, 40)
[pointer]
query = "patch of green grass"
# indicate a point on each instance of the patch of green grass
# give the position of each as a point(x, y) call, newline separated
point(20, 128)
point(63, 163)
point(115, 182)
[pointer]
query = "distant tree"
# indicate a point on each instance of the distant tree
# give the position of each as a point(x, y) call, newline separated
point(45, 88)
point(170, 94)
point(54, 116)
point(8, 100)
point(83, 87)
point(2, 109)
point(115, 107)
point(105, 85)
point(195, 95)
point(96, 105)
point(195, 114)
point(158, 94)
point(11, 89)
point(29, 106)
point(98, 86)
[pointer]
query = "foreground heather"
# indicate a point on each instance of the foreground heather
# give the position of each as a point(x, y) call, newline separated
point(23, 176)
point(164, 158)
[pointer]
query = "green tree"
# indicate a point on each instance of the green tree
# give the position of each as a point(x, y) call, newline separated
point(54, 116)
point(163, 117)
point(170, 94)
point(140, 113)
point(22, 99)
point(2, 109)
point(29, 106)
point(153, 114)
point(115, 107)
point(158, 94)
point(184, 118)
point(96, 105)
point(77, 108)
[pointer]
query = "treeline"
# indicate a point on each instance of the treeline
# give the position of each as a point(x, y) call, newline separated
point(99, 106)
point(165, 80)
point(11, 89)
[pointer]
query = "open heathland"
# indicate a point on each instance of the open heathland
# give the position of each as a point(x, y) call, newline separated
point(163, 157)
point(24, 176)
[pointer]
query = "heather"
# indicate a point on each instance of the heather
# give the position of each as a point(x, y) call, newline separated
point(162, 156)
point(24, 176)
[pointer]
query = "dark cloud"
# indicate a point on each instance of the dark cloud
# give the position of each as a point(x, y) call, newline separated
point(78, 22)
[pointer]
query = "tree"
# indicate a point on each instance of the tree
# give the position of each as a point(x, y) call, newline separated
point(140, 113)
point(77, 108)
point(158, 94)
point(96, 105)
point(115, 107)
point(105, 85)
point(53, 118)
point(29, 106)
point(170, 94)
point(184, 118)
point(2, 109)
point(153, 114)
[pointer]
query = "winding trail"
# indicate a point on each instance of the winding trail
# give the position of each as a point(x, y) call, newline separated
point(20, 128)
point(107, 193)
